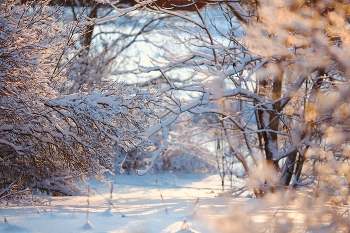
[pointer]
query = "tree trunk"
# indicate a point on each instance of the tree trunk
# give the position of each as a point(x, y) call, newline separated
point(288, 169)
point(90, 28)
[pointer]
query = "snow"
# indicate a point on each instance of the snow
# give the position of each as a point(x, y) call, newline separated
point(191, 203)
point(171, 202)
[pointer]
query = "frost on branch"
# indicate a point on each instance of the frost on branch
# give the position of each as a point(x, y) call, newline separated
point(49, 140)
point(277, 73)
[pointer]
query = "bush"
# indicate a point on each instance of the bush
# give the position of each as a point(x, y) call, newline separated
point(49, 140)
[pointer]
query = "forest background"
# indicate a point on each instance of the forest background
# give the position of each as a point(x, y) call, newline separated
point(252, 90)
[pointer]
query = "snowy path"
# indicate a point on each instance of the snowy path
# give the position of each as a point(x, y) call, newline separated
point(137, 198)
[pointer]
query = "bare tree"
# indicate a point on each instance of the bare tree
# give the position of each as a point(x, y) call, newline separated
point(272, 87)
point(278, 79)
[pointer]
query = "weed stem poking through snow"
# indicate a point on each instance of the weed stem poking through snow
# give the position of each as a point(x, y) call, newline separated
point(166, 210)
point(88, 204)
point(5, 220)
point(110, 203)
point(195, 206)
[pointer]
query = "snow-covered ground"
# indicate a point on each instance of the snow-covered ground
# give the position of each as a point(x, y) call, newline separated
point(191, 203)
point(173, 203)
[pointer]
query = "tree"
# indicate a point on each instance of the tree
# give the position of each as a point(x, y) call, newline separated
point(108, 46)
point(277, 74)
point(51, 141)
point(257, 77)
point(296, 84)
